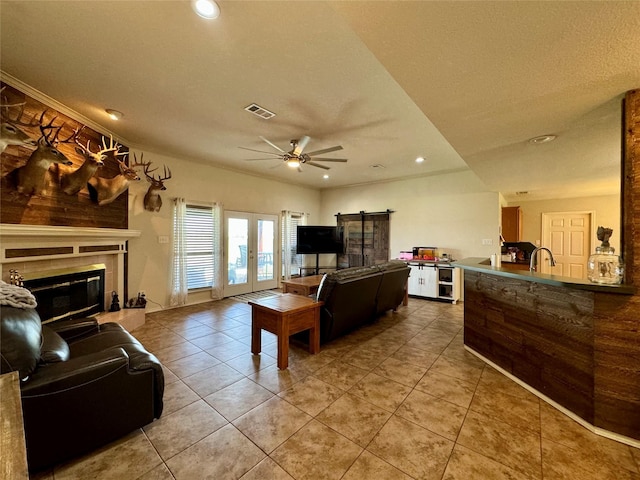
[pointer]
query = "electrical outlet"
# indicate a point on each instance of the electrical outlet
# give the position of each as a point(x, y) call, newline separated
point(487, 241)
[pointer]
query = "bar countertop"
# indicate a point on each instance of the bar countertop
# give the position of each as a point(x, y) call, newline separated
point(483, 265)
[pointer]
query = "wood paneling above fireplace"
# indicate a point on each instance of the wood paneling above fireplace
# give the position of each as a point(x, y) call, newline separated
point(52, 206)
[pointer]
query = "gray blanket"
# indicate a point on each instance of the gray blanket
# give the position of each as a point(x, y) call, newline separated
point(15, 296)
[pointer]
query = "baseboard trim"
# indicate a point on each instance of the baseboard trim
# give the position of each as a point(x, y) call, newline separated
point(597, 430)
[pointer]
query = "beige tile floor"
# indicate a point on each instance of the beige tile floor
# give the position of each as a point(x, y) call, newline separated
point(399, 399)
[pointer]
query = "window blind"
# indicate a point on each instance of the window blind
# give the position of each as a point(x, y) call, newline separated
point(292, 229)
point(200, 232)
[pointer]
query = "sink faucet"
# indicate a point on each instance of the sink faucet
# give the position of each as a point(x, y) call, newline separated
point(532, 263)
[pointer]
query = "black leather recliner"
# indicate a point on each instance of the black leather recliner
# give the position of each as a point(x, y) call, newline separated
point(82, 385)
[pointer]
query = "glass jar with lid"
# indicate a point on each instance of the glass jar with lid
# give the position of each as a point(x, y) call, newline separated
point(605, 266)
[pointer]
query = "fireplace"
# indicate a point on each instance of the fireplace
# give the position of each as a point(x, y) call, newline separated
point(68, 293)
point(36, 251)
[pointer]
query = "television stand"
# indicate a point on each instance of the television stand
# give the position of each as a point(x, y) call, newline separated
point(317, 268)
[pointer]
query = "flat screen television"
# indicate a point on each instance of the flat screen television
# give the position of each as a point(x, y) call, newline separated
point(319, 239)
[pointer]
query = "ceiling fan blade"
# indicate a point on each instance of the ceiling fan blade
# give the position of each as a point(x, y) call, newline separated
point(272, 144)
point(260, 151)
point(317, 165)
point(300, 146)
point(321, 159)
point(325, 150)
point(254, 159)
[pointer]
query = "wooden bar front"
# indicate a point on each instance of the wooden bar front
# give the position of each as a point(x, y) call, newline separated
point(572, 345)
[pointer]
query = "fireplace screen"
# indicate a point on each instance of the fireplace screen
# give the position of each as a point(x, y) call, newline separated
point(70, 293)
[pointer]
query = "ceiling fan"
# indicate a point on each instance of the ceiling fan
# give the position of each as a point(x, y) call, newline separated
point(295, 157)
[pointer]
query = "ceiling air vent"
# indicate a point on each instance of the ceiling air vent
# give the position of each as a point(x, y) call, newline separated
point(259, 111)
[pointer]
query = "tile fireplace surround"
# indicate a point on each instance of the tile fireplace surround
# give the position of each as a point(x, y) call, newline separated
point(32, 249)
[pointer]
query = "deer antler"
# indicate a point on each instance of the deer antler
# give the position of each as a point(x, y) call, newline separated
point(18, 120)
point(112, 147)
point(45, 130)
point(152, 178)
point(74, 137)
point(102, 152)
point(141, 163)
point(146, 168)
point(166, 177)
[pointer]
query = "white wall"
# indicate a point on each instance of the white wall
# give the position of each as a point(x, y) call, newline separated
point(453, 212)
point(149, 260)
point(606, 208)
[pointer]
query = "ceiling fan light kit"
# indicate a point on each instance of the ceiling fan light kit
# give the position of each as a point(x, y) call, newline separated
point(295, 157)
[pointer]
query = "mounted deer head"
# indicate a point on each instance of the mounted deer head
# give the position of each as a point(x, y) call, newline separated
point(106, 190)
point(10, 134)
point(31, 176)
point(75, 181)
point(152, 200)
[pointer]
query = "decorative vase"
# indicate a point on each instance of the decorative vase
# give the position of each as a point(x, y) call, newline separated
point(605, 266)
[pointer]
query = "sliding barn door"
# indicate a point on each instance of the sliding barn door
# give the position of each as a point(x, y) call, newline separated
point(366, 239)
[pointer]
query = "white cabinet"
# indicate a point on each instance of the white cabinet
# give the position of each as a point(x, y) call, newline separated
point(423, 280)
point(431, 280)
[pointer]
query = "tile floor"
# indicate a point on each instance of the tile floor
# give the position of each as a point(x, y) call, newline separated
point(399, 399)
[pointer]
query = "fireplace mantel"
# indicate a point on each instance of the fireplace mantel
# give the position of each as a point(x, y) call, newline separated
point(39, 242)
point(45, 232)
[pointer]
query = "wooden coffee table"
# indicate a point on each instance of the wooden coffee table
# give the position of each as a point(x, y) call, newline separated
point(302, 286)
point(283, 316)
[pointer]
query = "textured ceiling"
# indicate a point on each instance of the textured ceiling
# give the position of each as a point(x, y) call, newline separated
point(464, 84)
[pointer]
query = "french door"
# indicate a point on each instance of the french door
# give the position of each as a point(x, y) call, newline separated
point(251, 257)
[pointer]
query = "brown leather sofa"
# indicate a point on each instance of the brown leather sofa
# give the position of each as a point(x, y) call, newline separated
point(355, 296)
point(82, 384)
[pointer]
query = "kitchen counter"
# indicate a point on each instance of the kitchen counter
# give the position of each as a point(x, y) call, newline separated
point(571, 342)
point(484, 265)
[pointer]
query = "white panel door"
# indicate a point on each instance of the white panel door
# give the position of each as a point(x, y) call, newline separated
point(568, 236)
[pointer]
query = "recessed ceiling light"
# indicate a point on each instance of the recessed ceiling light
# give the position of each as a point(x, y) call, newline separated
point(325, 176)
point(419, 159)
point(114, 114)
point(206, 8)
point(542, 139)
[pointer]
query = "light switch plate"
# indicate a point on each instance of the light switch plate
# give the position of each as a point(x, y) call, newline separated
point(487, 241)
point(163, 239)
